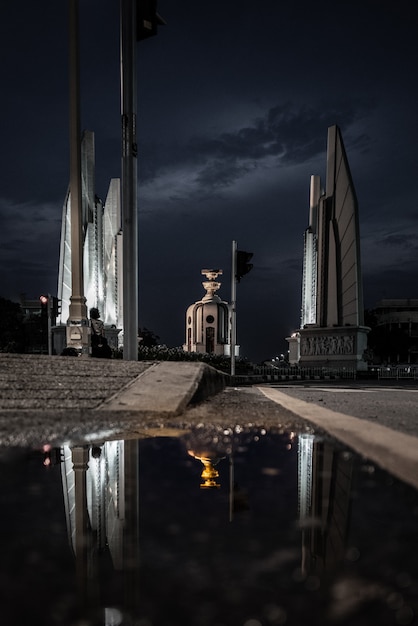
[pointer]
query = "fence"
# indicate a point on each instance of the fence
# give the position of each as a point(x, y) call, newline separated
point(263, 374)
point(398, 373)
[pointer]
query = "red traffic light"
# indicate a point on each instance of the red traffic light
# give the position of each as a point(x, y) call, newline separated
point(43, 299)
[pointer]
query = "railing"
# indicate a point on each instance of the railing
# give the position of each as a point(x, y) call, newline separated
point(264, 374)
point(397, 373)
point(307, 372)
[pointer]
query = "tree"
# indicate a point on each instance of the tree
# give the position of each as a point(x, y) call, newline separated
point(147, 338)
point(388, 342)
point(11, 327)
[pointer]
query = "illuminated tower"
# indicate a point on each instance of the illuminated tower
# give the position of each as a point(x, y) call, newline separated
point(208, 321)
point(102, 249)
point(310, 258)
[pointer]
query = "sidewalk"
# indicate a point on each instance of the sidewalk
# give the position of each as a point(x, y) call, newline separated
point(56, 398)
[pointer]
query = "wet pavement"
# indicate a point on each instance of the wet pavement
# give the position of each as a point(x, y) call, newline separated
point(232, 511)
point(209, 527)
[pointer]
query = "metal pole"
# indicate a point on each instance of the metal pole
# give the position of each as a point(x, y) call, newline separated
point(49, 324)
point(80, 458)
point(128, 43)
point(131, 556)
point(77, 324)
point(233, 306)
point(231, 488)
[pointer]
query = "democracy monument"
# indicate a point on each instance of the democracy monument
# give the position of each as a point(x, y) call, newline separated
point(332, 331)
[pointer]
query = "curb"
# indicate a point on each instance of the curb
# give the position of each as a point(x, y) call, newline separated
point(167, 388)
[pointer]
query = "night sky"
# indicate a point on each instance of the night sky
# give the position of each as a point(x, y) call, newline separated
point(235, 99)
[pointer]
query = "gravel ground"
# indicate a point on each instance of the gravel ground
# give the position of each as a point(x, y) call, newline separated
point(244, 406)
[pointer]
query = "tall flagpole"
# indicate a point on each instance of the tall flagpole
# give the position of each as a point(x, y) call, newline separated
point(233, 305)
point(77, 324)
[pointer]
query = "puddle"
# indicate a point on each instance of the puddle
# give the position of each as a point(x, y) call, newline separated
point(207, 528)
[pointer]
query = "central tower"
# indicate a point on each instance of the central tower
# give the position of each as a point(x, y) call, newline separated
point(208, 321)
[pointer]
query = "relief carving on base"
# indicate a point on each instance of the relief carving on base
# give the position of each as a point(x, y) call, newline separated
point(327, 345)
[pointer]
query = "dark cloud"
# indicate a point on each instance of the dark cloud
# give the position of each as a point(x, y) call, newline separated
point(400, 241)
point(289, 133)
point(234, 102)
point(222, 173)
point(394, 283)
point(292, 133)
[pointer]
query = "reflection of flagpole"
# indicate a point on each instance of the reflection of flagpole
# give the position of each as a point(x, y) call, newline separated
point(231, 488)
point(233, 306)
point(82, 548)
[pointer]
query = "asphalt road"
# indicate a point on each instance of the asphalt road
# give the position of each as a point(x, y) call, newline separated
point(388, 404)
point(378, 421)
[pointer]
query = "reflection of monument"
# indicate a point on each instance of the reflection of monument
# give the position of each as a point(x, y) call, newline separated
point(332, 329)
point(100, 486)
point(209, 473)
point(102, 249)
point(324, 485)
point(208, 321)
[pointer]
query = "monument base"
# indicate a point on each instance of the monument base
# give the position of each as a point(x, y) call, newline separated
point(334, 347)
point(59, 338)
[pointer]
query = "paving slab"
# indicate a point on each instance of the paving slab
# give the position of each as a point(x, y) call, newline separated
point(166, 388)
point(29, 382)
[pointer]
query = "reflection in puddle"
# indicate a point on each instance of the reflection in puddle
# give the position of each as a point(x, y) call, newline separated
point(211, 527)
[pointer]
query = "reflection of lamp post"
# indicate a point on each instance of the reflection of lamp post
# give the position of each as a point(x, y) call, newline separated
point(77, 324)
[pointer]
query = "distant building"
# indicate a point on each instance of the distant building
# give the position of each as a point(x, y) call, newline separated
point(397, 326)
point(30, 307)
point(400, 312)
point(208, 321)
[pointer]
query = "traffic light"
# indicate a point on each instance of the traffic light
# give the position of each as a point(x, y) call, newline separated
point(44, 307)
point(243, 266)
point(55, 307)
point(147, 19)
point(52, 456)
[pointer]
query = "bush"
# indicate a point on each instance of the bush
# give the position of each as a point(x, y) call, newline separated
point(163, 353)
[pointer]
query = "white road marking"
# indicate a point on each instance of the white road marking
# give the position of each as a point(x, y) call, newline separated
point(347, 389)
point(394, 451)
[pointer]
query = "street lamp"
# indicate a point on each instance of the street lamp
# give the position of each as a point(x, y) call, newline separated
point(138, 20)
point(77, 324)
